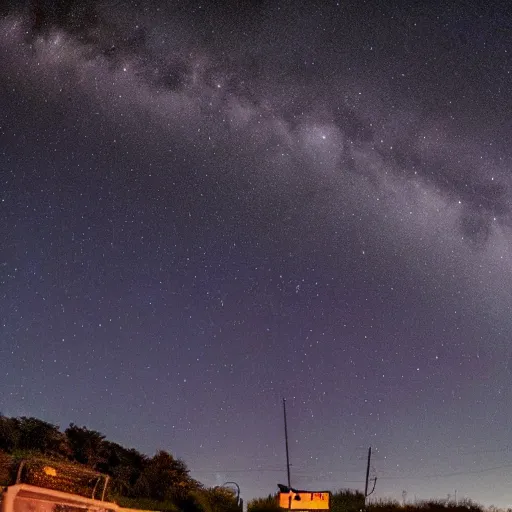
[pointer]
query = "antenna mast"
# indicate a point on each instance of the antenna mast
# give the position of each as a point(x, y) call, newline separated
point(286, 442)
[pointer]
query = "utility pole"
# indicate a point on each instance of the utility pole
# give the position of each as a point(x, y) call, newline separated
point(286, 442)
point(367, 480)
point(367, 473)
point(287, 456)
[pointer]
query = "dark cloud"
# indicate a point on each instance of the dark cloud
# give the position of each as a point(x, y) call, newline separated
point(73, 16)
point(476, 227)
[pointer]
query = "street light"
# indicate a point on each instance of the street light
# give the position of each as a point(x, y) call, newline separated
point(239, 501)
point(237, 489)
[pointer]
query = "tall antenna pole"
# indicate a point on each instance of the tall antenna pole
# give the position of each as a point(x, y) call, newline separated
point(367, 473)
point(286, 442)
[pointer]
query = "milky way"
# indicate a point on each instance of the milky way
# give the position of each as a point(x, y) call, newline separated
point(207, 209)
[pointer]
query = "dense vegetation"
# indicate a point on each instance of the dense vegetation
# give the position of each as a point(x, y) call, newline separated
point(83, 459)
point(353, 501)
point(82, 456)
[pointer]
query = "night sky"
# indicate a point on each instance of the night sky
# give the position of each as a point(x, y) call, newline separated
point(207, 208)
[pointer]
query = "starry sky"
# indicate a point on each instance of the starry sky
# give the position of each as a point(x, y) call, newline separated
point(207, 208)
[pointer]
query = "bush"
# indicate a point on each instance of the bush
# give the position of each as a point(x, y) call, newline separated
point(268, 504)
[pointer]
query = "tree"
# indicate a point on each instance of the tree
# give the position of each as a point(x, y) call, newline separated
point(6, 469)
point(86, 445)
point(165, 478)
point(221, 499)
point(268, 504)
point(196, 501)
point(347, 500)
point(38, 435)
point(9, 434)
point(124, 466)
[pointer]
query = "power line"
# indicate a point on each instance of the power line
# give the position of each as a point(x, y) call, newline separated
point(263, 470)
point(250, 470)
point(445, 475)
point(330, 473)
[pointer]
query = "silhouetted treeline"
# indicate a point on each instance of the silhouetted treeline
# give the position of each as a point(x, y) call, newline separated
point(136, 480)
point(161, 482)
